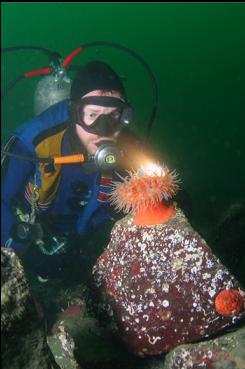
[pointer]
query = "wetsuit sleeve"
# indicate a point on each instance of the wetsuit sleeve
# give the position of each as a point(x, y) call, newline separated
point(15, 173)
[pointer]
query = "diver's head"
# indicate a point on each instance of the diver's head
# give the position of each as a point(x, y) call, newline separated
point(93, 76)
point(98, 105)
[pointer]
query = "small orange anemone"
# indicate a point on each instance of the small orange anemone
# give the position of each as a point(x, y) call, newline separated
point(143, 192)
point(229, 302)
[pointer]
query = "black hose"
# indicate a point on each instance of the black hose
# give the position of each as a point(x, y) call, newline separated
point(10, 85)
point(53, 56)
point(29, 158)
point(18, 48)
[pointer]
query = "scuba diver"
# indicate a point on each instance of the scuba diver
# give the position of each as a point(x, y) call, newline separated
point(46, 202)
point(57, 168)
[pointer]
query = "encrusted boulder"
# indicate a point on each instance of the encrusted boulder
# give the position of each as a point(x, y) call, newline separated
point(225, 352)
point(161, 286)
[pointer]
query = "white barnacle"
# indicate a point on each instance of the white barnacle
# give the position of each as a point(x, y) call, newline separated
point(130, 309)
point(151, 304)
point(194, 270)
point(165, 287)
point(150, 290)
point(139, 308)
point(147, 236)
point(146, 317)
point(210, 264)
point(219, 274)
point(151, 255)
point(165, 303)
point(177, 263)
point(211, 293)
point(142, 246)
point(206, 275)
point(229, 285)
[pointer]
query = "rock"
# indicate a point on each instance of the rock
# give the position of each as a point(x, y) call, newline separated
point(62, 345)
point(23, 340)
point(226, 352)
point(79, 341)
point(158, 284)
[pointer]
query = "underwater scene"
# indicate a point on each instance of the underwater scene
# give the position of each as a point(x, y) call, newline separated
point(122, 185)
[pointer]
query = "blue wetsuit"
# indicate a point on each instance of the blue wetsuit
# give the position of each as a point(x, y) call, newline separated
point(80, 204)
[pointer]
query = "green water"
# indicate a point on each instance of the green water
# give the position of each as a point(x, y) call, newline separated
point(197, 53)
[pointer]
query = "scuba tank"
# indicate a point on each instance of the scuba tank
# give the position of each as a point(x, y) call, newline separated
point(56, 84)
point(53, 88)
point(49, 91)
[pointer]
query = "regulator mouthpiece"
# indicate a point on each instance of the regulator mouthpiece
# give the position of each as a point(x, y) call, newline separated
point(107, 156)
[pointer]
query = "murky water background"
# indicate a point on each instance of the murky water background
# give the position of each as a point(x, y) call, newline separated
point(197, 53)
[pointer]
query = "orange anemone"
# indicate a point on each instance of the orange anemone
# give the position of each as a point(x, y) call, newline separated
point(146, 193)
point(229, 302)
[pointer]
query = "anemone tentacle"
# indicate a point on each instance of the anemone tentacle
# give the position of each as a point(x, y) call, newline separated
point(140, 189)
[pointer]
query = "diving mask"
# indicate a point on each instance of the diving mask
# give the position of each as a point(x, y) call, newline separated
point(104, 124)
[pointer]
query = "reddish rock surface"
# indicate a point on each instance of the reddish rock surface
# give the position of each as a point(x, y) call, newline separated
point(159, 284)
point(70, 311)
